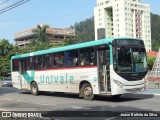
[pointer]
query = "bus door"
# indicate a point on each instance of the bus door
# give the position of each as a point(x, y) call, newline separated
point(104, 70)
point(22, 71)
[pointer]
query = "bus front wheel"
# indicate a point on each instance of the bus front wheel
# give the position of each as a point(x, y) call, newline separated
point(87, 92)
point(34, 88)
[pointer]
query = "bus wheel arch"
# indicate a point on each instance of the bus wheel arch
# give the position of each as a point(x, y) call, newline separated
point(34, 88)
point(86, 90)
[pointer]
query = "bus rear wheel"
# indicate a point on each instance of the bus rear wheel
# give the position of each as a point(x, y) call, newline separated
point(87, 92)
point(34, 88)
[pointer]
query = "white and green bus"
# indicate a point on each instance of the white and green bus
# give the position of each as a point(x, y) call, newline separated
point(111, 66)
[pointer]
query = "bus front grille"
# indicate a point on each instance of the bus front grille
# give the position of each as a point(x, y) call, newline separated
point(134, 90)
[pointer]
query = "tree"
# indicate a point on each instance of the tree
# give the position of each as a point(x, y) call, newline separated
point(155, 45)
point(69, 41)
point(37, 45)
point(6, 51)
point(40, 41)
point(85, 30)
point(41, 34)
point(150, 61)
point(155, 29)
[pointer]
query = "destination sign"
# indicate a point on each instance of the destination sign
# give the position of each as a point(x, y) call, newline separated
point(127, 42)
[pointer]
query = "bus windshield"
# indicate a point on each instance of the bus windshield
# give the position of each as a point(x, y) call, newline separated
point(130, 58)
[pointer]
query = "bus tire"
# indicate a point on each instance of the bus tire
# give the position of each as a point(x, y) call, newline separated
point(87, 92)
point(34, 88)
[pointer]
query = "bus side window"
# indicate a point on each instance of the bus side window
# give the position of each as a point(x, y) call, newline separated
point(71, 58)
point(68, 57)
point(59, 60)
point(23, 66)
point(48, 61)
point(29, 63)
point(15, 65)
point(87, 56)
point(38, 62)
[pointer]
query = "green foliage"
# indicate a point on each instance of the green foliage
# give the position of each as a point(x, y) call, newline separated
point(40, 42)
point(155, 30)
point(85, 30)
point(66, 42)
point(37, 45)
point(70, 41)
point(6, 51)
point(55, 45)
point(41, 34)
point(150, 62)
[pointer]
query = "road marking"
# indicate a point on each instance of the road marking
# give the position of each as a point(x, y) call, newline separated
point(111, 118)
point(156, 94)
point(14, 100)
point(3, 109)
point(43, 104)
point(21, 101)
point(7, 99)
point(28, 102)
point(76, 107)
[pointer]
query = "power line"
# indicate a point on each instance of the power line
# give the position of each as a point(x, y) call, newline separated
point(14, 5)
point(4, 2)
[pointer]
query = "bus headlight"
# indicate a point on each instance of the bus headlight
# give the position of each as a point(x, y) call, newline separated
point(119, 83)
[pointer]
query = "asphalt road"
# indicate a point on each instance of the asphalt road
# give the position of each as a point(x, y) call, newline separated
point(13, 100)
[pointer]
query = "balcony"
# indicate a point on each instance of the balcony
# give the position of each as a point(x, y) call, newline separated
point(56, 31)
point(22, 43)
point(23, 34)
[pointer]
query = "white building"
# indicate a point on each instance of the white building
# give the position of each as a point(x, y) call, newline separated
point(123, 18)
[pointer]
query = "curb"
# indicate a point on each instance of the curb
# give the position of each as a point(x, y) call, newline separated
point(155, 94)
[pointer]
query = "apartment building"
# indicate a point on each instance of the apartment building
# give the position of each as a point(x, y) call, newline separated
point(57, 35)
point(123, 18)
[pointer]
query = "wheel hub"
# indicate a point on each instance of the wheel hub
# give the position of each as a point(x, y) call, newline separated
point(88, 91)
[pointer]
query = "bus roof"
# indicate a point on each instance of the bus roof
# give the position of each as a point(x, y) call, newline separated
point(69, 47)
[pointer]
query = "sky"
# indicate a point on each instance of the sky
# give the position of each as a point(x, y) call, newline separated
point(56, 13)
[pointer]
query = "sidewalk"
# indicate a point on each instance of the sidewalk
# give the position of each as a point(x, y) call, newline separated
point(152, 88)
point(151, 91)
